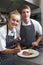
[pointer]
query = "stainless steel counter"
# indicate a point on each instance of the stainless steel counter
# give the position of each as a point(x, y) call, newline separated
point(30, 61)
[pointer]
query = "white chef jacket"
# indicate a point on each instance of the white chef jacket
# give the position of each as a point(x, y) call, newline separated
point(3, 33)
point(37, 26)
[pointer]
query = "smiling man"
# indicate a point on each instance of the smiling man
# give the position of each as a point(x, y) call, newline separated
point(29, 29)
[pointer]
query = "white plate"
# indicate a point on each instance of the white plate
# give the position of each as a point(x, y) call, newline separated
point(35, 53)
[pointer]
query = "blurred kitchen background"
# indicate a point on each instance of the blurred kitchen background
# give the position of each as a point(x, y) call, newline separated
point(8, 5)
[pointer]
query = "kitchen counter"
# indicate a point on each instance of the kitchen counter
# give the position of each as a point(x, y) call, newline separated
point(30, 61)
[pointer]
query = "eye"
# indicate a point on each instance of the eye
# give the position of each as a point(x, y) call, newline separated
point(17, 21)
point(27, 11)
point(23, 12)
point(13, 19)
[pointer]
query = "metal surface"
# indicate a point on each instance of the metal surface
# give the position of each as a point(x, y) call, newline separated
point(32, 61)
point(8, 5)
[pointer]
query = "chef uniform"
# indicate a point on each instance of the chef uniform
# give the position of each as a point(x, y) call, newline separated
point(28, 33)
point(7, 59)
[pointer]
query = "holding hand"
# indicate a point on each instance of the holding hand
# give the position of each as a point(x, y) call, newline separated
point(16, 50)
point(18, 38)
point(34, 44)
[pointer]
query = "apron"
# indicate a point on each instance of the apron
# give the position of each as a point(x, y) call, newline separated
point(8, 59)
point(27, 34)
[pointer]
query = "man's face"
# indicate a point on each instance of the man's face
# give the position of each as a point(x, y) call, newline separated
point(26, 15)
point(13, 20)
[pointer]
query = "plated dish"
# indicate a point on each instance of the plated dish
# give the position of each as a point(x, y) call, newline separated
point(28, 53)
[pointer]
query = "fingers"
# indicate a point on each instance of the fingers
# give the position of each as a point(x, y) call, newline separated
point(16, 50)
point(34, 44)
point(18, 38)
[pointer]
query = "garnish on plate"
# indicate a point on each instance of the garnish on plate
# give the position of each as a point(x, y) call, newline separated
point(28, 52)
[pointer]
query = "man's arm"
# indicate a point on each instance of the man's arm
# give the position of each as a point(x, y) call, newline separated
point(39, 38)
point(36, 43)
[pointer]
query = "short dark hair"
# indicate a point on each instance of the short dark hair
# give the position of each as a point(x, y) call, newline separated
point(25, 7)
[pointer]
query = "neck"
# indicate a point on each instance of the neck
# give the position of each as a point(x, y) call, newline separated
point(9, 27)
point(26, 21)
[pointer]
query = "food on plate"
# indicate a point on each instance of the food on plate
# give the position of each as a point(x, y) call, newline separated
point(25, 53)
point(28, 52)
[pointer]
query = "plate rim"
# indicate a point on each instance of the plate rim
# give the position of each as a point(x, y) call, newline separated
point(31, 56)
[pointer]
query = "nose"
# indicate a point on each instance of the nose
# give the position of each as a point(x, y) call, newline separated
point(15, 22)
point(25, 13)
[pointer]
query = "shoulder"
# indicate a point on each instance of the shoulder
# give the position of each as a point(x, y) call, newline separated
point(37, 26)
point(3, 29)
point(35, 23)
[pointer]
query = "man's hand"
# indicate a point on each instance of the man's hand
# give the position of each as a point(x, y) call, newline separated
point(34, 44)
